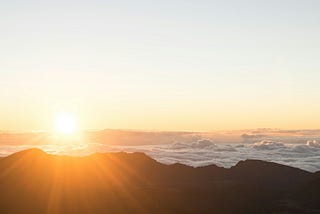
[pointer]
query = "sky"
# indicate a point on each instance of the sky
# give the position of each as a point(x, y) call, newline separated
point(160, 65)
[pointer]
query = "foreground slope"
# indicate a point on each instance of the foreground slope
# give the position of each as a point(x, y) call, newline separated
point(32, 181)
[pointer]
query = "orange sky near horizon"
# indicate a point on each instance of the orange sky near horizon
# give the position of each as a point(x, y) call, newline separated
point(166, 65)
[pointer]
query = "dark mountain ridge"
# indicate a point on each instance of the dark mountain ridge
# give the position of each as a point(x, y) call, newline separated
point(32, 181)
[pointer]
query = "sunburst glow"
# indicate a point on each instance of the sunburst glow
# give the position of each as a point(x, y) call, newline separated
point(65, 123)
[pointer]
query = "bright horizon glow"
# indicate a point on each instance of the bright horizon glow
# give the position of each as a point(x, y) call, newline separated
point(64, 123)
point(160, 65)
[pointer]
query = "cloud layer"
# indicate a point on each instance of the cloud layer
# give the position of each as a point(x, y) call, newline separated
point(202, 152)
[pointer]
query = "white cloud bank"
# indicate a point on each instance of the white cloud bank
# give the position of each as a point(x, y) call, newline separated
point(203, 152)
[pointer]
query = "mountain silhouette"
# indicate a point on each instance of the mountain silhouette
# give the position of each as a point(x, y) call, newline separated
point(33, 181)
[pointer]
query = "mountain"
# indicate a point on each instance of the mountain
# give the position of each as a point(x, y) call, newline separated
point(32, 181)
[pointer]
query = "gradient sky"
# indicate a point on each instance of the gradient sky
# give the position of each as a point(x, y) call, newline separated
point(160, 65)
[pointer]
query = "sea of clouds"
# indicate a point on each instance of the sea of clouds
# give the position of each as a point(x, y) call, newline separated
point(201, 152)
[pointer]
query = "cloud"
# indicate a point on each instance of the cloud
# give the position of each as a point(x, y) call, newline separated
point(203, 144)
point(313, 143)
point(252, 136)
point(200, 152)
point(268, 145)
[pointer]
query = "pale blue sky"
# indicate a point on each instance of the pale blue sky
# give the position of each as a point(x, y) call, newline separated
point(196, 65)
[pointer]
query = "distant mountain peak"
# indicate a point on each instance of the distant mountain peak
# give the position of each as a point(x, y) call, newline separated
point(119, 181)
point(32, 151)
point(253, 163)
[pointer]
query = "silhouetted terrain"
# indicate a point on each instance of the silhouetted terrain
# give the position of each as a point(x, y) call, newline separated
point(32, 181)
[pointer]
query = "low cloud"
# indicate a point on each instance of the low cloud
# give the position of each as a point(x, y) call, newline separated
point(268, 145)
point(313, 143)
point(193, 150)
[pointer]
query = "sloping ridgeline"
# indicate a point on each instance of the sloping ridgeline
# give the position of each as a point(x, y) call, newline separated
point(32, 181)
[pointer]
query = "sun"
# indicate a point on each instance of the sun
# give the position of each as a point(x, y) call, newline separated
point(64, 123)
